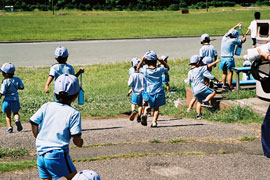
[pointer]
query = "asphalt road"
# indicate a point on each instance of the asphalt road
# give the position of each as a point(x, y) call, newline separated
point(102, 51)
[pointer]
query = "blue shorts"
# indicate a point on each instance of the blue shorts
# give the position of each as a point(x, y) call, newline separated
point(8, 106)
point(55, 164)
point(201, 96)
point(157, 100)
point(227, 64)
point(165, 78)
point(136, 99)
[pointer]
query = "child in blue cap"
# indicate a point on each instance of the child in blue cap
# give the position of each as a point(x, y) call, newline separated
point(207, 50)
point(228, 43)
point(9, 88)
point(61, 56)
point(53, 125)
point(196, 76)
point(154, 88)
point(136, 82)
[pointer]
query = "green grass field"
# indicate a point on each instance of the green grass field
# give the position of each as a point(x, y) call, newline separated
point(76, 25)
point(106, 88)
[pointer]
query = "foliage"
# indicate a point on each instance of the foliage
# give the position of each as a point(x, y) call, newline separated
point(13, 153)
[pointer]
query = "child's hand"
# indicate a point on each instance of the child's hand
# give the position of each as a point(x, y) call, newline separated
point(46, 89)
point(81, 70)
point(259, 51)
point(164, 58)
point(218, 60)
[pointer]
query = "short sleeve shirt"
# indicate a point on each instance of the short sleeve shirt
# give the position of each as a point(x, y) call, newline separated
point(154, 79)
point(9, 88)
point(208, 50)
point(196, 79)
point(253, 29)
point(136, 82)
point(57, 69)
point(228, 46)
point(57, 124)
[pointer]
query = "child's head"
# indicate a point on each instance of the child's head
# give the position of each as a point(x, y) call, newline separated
point(205, 38)
point(195, 60)
point(61, 54)
point(150, 58)
point(8, 70)
point(135, 62)
point(257, 15)
point(232, 33)
point(66, 88)
point(86, 175)
point(246, 63)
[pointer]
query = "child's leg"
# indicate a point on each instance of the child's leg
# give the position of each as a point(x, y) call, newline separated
point(224, 77)
point(133, 113)
point(71, 175)
point(168, 87)
point(17, 121)
point(198, 108)
point(230, 76)
point(210, 96)
point(140, 110)
point(156, 114)
point(8, 119)
point(191, 104)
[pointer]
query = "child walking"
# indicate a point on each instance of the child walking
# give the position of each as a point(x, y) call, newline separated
point(136, 82)
point(61, 56)
point(166, 76)
point(154, 88)
point(9, 88)
point(196, 78)
point(53, 125)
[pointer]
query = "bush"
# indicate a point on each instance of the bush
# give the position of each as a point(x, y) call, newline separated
point(173, 7)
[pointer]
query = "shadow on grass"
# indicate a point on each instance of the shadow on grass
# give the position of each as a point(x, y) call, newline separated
point(98, 129)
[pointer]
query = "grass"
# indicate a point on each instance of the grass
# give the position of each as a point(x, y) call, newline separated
point(155, 141)
point(81, 25)
point(176, 140)
point(106, 88)
point(248, 138)
point(13, 153)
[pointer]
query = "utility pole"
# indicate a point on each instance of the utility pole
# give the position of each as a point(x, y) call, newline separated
point(206, 6)
point(52, 8)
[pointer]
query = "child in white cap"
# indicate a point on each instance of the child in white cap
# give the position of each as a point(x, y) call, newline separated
point(228, 43)
point(9, 88)
point(154, 88)
point(61, 56)
point(196, 78)
point(53, 125)
point(136, 82)
point(207, 50)
point(86, 175)
point(247, 75)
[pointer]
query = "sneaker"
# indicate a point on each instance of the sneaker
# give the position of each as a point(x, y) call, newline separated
point(188, 109)
point(154, 124)
point(144, 120)
point(19, 125)
point(224, 89)
point(199, 116)
point(149, 114)
point(206, 104)
point(132, 116)
point(10, 129)
point(139, 119)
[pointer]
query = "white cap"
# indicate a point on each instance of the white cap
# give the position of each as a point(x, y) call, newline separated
point(205, 37)
point(151, 55)
point(61, 51)
point(8, 68)
point(67, 83)
point(194, 59)
point(86, 175)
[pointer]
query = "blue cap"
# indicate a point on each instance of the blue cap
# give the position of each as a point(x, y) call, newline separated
point(66, 83)
point(135, 61)
point(86, 175)
point(194, 59)
point(207, 60)
point(8, 68)
point(233, 33)
point(150, 55)
point(61, 51)
point(205, 37)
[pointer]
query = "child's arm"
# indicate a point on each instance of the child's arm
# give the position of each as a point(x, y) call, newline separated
point(140, 64)
point(213, 63)
point(78, 141)
point(263, 55)
point(236, 26)
point(164, 63)
point(129, 92)
point(34, 128)
point(215, 79)
point(50, 78)
point(79, 72)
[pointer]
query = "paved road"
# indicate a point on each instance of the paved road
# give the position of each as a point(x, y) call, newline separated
point(102, 51)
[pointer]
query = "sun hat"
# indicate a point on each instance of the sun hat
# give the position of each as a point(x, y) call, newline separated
point(233, 33)
point(8, 68)
point(205, 37)
point(194, 59)
point(86, 175)
point(207, 60)
point(61, 51)
point(164, 58)
point(135, 61)
point(150, 55)
point(67, 83)
point(246, 63)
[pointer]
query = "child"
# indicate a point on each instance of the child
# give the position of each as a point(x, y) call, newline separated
point(136, 82)
point(154, 88)
point(207, 50)
point(247, 75)
point(9, 88)
point(228, 43)
point(53, 125)
point(253, 28)
point(61, 56)
point(196, 78)
point(166, 76)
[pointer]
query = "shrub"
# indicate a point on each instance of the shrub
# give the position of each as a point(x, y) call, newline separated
point(173, 7)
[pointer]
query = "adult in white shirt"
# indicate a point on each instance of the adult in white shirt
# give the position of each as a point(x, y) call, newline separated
point(253, 28)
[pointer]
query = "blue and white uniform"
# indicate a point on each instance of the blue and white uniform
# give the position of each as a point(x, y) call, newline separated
point(58, 69)
point(9, 89)
point(208, 50)
point(136, 82)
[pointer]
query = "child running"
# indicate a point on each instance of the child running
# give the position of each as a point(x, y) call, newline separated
point(61, 56)
point(9, 88)
point(154, 88)
point(53, 125)
point(136, 82)
point(196, 78)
